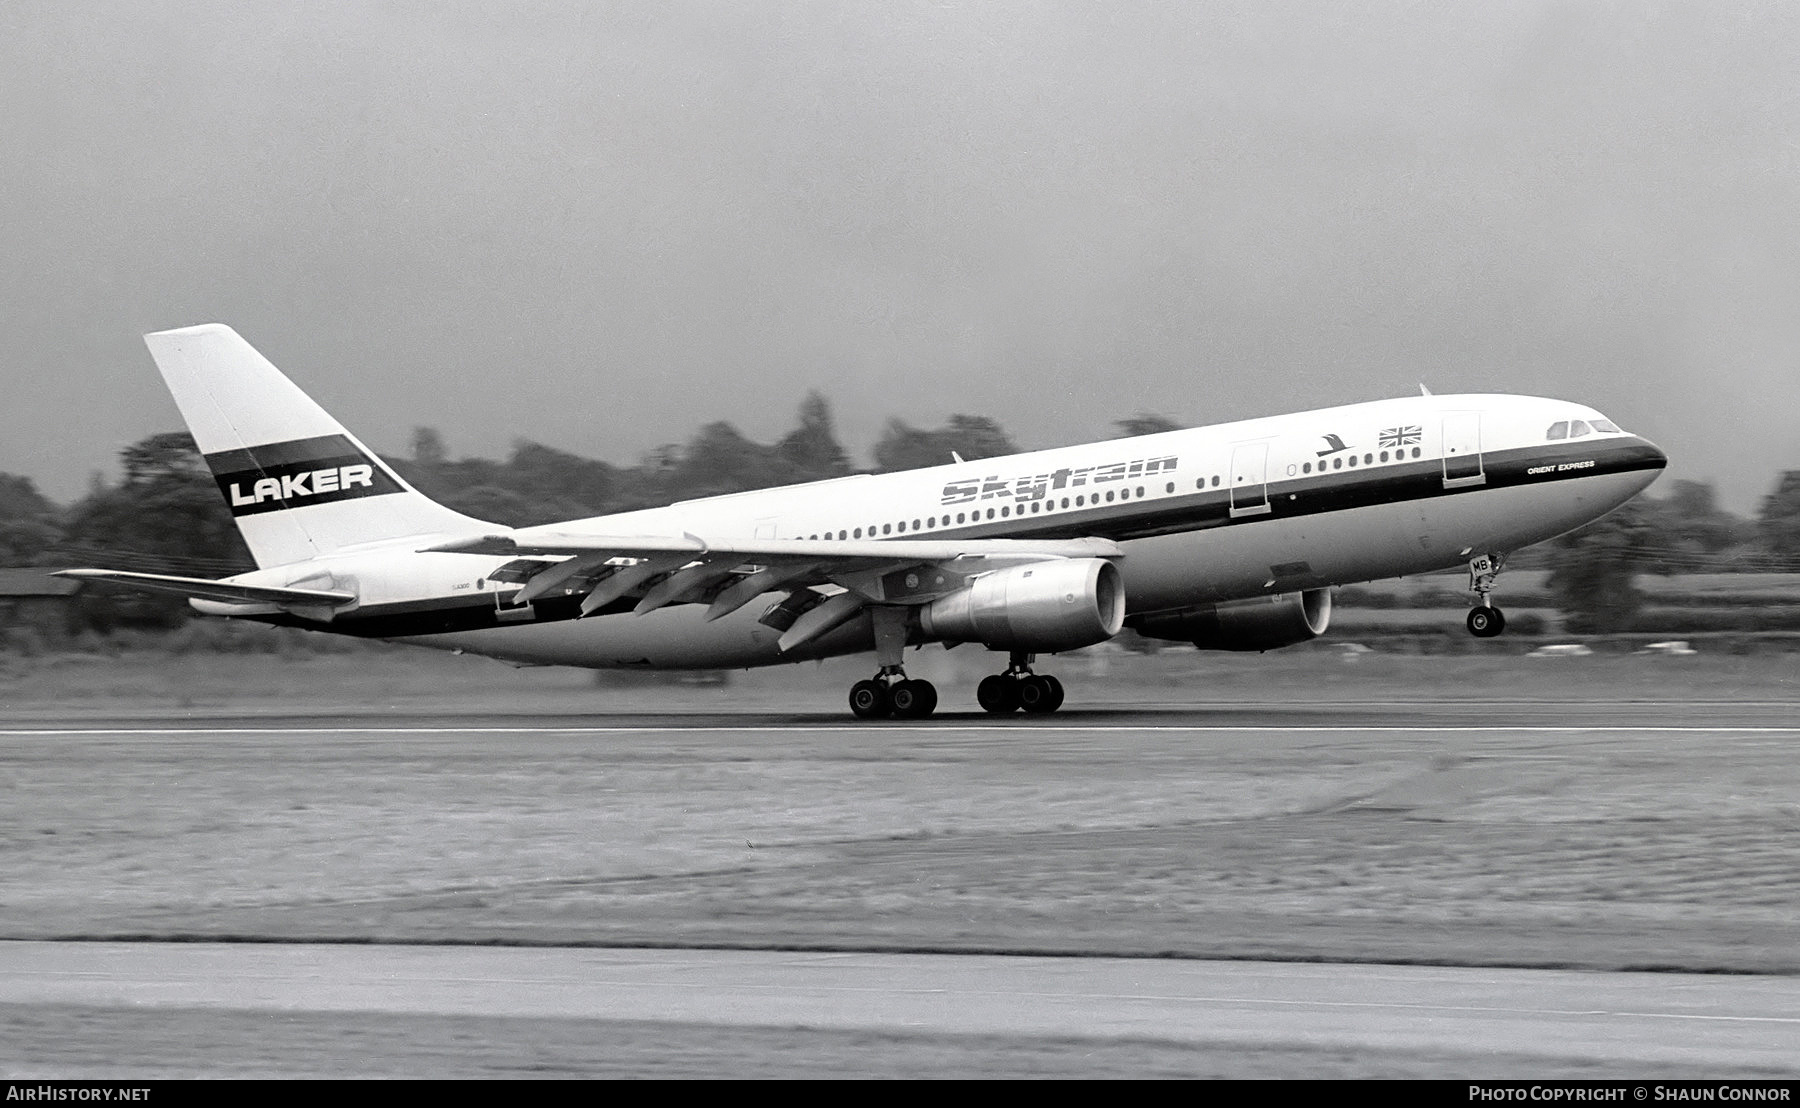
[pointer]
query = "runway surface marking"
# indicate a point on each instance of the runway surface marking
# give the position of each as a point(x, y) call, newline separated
point(993, 727)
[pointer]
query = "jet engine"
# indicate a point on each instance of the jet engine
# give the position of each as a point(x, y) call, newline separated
point(1261, 623)
point(1042, 607)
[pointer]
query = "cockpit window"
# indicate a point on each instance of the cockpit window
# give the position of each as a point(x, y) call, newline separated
point(1558, 430)
point(1607, 425)
point(1579, 428)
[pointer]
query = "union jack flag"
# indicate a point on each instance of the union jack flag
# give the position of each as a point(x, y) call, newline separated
point(1400, 436)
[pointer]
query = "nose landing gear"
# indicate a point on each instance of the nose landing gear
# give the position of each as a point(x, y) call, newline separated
point(1019, 688)
point(1485, 621)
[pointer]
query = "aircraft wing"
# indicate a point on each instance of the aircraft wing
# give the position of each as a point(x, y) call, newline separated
point(853, 550)
point(229, 592)
point(734, 571)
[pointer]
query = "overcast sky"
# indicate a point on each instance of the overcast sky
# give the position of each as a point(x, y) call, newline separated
point(599, 226)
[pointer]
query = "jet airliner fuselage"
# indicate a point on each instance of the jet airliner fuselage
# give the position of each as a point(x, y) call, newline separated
point(1229, 537)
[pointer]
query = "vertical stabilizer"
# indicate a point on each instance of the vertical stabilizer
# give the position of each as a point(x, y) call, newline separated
point(298, 484)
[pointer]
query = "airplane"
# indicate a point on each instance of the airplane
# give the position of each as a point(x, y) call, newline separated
point(1229, 537)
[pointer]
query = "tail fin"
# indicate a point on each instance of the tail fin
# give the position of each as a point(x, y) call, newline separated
point(298, 484)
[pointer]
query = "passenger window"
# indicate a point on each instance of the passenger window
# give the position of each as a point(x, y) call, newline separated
point(1065, 502)
point(1307, 468)
point(1559, 430)
point(1352, 461)
point(1578, 428)
point(1337, 463)
point(1215, 480)
point(859, 532)
point(1384, 455)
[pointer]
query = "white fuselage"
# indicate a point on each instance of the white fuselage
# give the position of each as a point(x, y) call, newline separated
point(1213, 514)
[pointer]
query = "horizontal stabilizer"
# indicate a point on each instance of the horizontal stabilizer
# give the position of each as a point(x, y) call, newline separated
point(201, 588)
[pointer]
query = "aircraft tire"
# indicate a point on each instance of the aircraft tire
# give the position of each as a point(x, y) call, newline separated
point(1037, 695)
point(1485, 623)
point(913, 699)
point(998, 694)
point(869, 700)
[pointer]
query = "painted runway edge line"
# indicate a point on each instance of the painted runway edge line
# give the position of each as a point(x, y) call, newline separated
point(915, 728)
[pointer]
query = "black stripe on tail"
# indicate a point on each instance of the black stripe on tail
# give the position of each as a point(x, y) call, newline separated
point(298, 474)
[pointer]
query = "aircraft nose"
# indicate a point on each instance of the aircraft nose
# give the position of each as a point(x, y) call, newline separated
point(1646, 460)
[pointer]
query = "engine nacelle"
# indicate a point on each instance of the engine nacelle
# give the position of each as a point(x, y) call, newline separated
point(1042, 607)
point(1261, 623)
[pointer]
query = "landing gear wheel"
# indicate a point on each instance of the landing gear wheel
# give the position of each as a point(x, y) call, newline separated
point(1056, 693)
point(869, 700)
point(1485, 623)
point(1039, 695)
point(912, 699)
point(998, 694)
point(1485, 620)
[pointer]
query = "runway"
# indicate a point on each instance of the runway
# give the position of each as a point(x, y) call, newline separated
point(1378, 887)
point(1486, 1021)
point(1463, 715)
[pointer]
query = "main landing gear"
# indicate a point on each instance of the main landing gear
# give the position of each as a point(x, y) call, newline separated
point(891, 692)
point(1485, 621)
point(1019, 688)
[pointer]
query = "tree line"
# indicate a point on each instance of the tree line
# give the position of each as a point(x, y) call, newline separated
point(165, 513)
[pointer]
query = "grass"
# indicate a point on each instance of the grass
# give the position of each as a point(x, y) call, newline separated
point(1268, 833)
point(1583, 847)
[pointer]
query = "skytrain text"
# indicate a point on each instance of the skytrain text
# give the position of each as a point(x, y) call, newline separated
point(1026, 489)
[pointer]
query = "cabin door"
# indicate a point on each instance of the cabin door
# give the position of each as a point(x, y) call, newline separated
point(1249, 479)
point(1462, 450)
